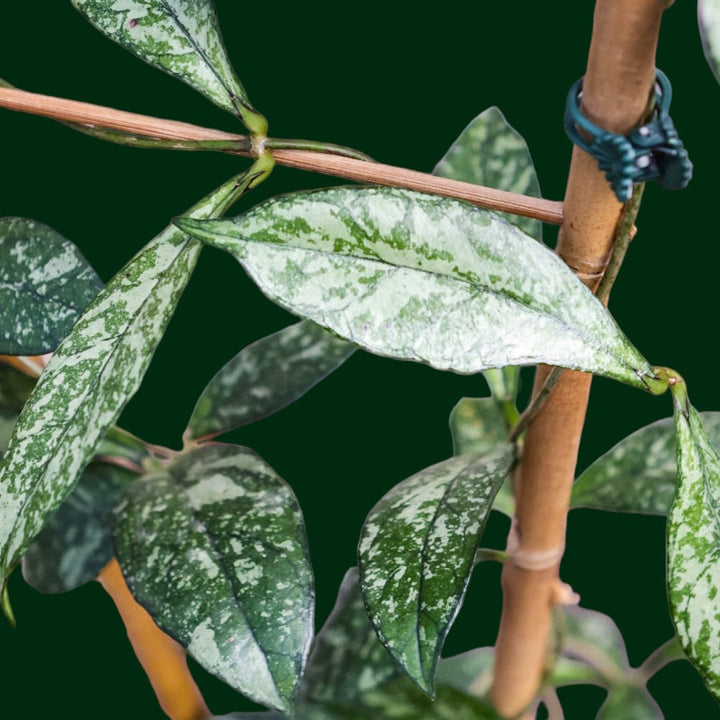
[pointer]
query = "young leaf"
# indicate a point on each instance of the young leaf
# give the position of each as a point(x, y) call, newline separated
point(694, 543)
point(417, 551)
point(416, 277)
point(709, 21)
point(639, 474)
point(95, 371)
point(266, 376)
point(45, 283)
point(630, 701)
point(182, 38)
point(76, 542)
point(215, 549)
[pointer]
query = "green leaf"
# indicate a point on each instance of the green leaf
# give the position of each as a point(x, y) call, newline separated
point(503, 382)
point(76, 542)
point(709, 21)
point(694, 544)
point(15, 389)
point(417, 551)
point(45, 283)
point(639, 474)
point(119, 443)
point(267, 376)
point(7, 425)
point(181, 37)
point(215, 549)
point(630, 702)
point(88, 381)
point(416, 277)
point(470, 672)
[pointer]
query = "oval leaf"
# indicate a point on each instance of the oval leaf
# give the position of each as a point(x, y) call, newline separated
point(415, 277)
point(45, 283)
point(215, 549)
point(267, 376)
point(182, 38)
point(639, 474)
point(709, 21)
point(694, 544)
point(417, 551)
point(88, 381)
point(76, 543)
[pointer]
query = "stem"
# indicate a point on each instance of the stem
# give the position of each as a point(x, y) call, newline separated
point(315, 146)
point(619, 77)
point(323, 162)
point(668, 652)
point(552, 704)
point(539, 399)
point(162, 658)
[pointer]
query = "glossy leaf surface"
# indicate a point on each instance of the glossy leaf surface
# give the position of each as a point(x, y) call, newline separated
point(417, 551)
point(709, 21)
point(414, 277)
point(76, 542)
point(266, 376)
point(215, 548)
point(45, 283)
point(639, 474)
point(694, 544)
point(181, 37)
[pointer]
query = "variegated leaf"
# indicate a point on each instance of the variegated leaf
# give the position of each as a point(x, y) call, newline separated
point(694, 544)
point(266, 376)
point(15, 389)
point(45, 283)
point(416, 277)
point(639, 474)
point(417, 551)
point(709, 21)
point(182, 38)
point(215, 549)
point(95, 371)
point(76, 542)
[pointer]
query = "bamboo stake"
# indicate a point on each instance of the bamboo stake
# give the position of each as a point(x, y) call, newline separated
point(620, 74)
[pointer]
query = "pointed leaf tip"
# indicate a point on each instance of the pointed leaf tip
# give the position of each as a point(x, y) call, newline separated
point(6, 606)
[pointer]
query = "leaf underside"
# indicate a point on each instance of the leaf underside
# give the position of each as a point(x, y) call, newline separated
point(709, 22)
point(415, 277)
point(215, 548)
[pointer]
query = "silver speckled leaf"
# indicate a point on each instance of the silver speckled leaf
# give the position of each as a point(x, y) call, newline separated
point(694, 544)
point(95, 371)
point(182, 38)
point(628, 702)
point(45, 283)
point(639, 474)
point(76, 542)
point(417, 277)
point(417, 551)
point(215, 548)
point(266, 377)
point(709, 21)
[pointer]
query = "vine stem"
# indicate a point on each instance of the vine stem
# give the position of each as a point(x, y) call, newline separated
point(619, 77)
point(185, 135)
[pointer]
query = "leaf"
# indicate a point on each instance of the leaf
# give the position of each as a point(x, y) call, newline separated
point(119, 443)
point(470, 672)
point(267, 376)
point(181, 37)
point(76, 543)
point(417, 551)
point(503, 382)
point(628, 701)
point(414, 277)
point(215, 548)
point(45, 283)
point(709, 21)
point(15, 389)
point(88, 381)
point(639, 474)
point(694, 544)
point(7, 425)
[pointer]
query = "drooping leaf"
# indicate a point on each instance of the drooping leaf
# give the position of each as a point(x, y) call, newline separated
point(694, 544)
point(417, 551)
point(266, 376)
point(45, 283)
point(709, 21)
point(416, 277)
point(215, 549)
point(95, 371)
point(639, 474)
point(629, 702)
point(181, 37)
point(15, 389)
point(76, 542)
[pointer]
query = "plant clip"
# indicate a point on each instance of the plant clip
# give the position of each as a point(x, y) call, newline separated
point(650, 152)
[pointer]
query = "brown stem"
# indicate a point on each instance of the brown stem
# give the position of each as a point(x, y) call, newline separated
point(351, 169)
point(162, 658)
point(619, 77)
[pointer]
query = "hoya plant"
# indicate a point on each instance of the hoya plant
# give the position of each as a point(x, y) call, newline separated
point(291, 522)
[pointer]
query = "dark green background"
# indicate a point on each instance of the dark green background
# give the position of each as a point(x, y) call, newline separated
point(399, 83)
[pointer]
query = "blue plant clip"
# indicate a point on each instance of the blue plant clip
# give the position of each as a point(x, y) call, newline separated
point(650, 152)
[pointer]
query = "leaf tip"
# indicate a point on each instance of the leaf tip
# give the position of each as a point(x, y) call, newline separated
point(5, 604)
